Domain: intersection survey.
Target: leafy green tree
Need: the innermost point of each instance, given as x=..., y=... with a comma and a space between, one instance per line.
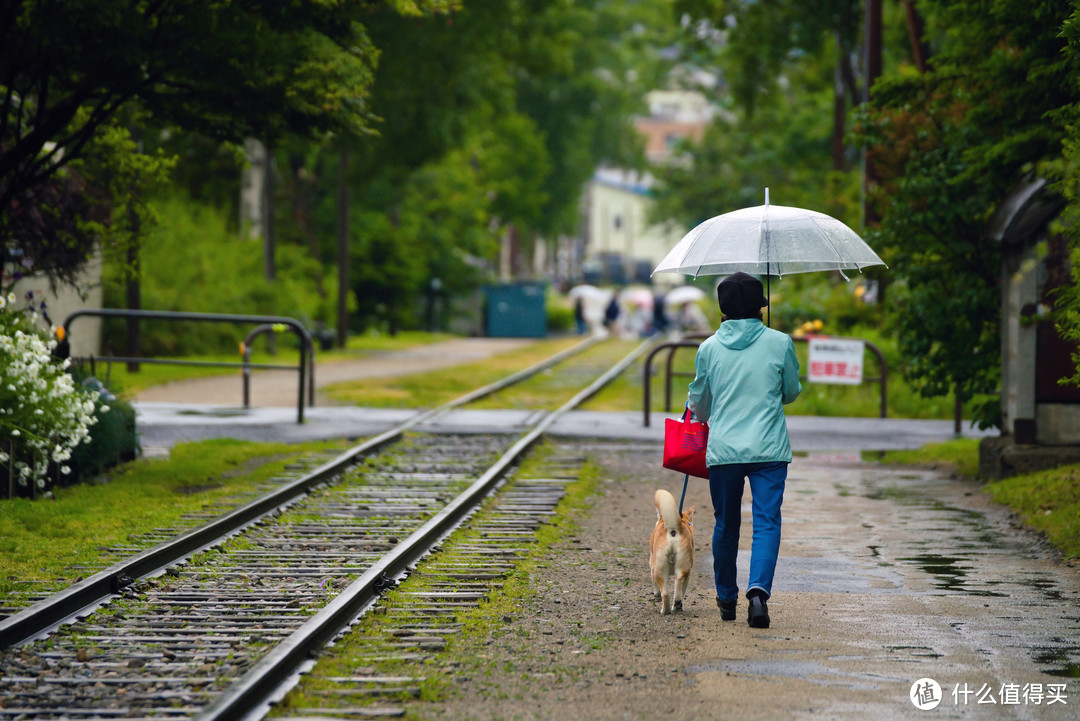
x=101, y=196
x=227, y=69
x=761, y=37
x=949, y=144
x=511, y=104
x=1065, y=172
x=784, y=146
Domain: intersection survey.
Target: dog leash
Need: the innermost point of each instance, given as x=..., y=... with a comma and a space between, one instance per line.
x=685, y=479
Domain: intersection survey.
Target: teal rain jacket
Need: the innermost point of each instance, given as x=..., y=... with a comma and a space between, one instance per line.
x=746, y=373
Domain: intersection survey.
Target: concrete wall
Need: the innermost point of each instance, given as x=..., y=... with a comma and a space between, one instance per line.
x=1019, y=287
x=86, y=338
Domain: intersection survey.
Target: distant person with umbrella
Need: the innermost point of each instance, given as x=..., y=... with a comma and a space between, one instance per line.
x=745, y=374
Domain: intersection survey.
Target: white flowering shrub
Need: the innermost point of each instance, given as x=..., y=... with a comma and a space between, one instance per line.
x=43, y=414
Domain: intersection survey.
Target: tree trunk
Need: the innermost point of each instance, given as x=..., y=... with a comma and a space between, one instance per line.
x=133, y=293
x=839, y=120
x=873, y=70
x=269, y=239
x=343, y=249
x=920, y=51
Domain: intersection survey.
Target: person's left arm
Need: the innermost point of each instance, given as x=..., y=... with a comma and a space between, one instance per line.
x=790, y=387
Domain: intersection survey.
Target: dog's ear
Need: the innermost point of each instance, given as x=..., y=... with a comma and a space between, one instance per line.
x=689, y=513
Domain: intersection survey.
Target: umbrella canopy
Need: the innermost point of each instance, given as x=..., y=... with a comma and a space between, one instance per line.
x=589, y=293
x=769, y=240
x=642, y=297
x=684, y=294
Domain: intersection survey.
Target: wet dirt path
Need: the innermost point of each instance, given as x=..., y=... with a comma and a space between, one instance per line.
x=886, y=576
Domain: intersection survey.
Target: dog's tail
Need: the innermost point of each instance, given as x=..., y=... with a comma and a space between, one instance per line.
x=668, y=510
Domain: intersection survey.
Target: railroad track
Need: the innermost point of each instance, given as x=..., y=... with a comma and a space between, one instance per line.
x=217, y=636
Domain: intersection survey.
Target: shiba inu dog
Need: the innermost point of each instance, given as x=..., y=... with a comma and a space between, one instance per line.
x=671, y=550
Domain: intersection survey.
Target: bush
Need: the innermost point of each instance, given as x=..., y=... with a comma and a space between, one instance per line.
x=560, y=318
x=44, y=415
x=194, y=262
x=113, y=440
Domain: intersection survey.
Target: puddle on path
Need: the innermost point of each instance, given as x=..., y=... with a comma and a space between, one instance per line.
x=917, y=534
x=215, y=412
x=812, y=671
x=949, y=572
x=1062, y=661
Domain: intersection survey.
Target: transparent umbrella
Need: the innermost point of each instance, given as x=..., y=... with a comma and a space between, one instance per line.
x=589, y=293
x=769, y=240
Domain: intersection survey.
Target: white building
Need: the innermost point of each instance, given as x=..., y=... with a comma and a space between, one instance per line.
x=620, y=245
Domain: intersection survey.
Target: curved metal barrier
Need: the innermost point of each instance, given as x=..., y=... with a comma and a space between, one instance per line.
x=307, y=346
x=693, y=340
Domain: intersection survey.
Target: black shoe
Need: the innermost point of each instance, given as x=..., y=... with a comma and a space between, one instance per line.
x=757, y=615
x=727, y=609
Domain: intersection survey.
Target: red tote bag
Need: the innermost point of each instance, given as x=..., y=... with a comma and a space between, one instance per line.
x=684, y=445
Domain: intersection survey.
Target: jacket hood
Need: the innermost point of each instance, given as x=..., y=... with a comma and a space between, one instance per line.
x=738, y=334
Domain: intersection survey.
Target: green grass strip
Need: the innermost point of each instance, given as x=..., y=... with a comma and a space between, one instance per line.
x=426, y=390
x=120, y=380
x=1048, y=501
x=40, y=540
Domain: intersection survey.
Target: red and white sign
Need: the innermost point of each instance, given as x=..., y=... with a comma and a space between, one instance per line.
x=835, y=361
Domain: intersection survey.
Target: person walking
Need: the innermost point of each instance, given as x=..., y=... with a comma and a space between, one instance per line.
x=611, y=314
x=744, y=375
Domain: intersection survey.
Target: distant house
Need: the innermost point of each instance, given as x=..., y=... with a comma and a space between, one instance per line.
x=674, y=116
x=619, y=244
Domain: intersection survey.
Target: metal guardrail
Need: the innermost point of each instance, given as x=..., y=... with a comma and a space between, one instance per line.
x=247, y=365
x=693, y=340
x=307, y=346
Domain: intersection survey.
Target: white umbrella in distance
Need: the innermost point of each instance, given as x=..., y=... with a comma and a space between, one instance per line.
x=684, y=294
x=589, y=293
x=769, y=240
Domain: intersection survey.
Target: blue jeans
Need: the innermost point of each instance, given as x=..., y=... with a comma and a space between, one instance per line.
x=767, y=491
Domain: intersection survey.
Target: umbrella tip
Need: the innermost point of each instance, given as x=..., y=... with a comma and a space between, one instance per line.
x=766, y=196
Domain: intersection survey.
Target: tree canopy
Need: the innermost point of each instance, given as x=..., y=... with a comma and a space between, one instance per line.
x=226, y=69
x=973, y=97
x=948, y=145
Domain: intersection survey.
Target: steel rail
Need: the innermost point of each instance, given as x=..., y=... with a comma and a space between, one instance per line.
x=266, y=677
x=83, y=597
